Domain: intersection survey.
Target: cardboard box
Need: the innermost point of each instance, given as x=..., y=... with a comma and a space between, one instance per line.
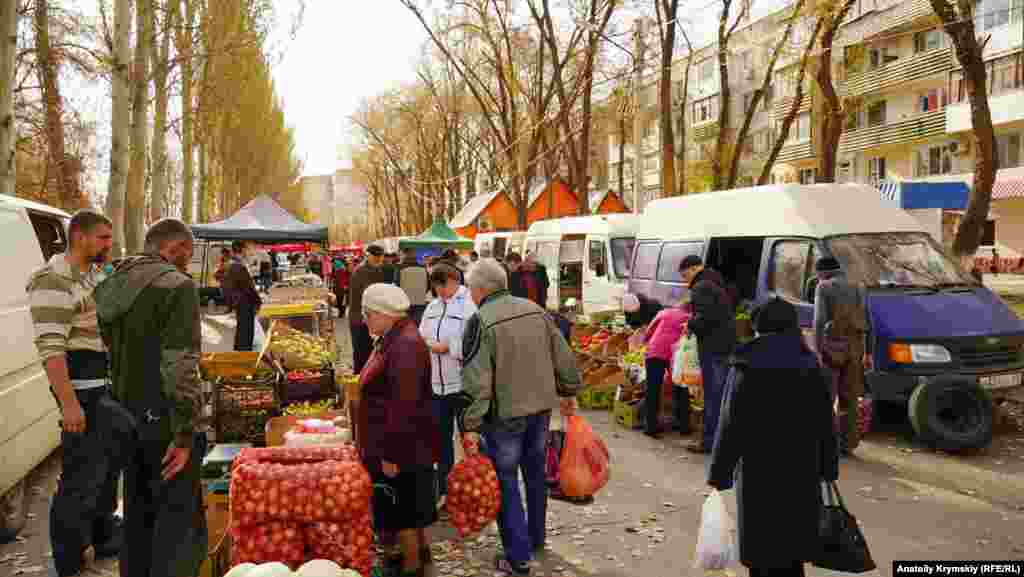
x=218, y=558
x=628, y=414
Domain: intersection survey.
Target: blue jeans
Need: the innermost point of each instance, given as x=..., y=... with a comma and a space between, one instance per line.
x=446, y=409
x=514, y=445
x=714, y=368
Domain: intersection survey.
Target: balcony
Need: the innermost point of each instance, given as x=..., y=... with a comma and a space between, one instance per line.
x=920, y=127
x=893, y=17
x=781, y=108
x=793, y=151
x=704, y=131
x=916, y=67
x=1005, y=108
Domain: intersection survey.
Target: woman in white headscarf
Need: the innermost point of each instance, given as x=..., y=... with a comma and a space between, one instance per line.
x=396, y=430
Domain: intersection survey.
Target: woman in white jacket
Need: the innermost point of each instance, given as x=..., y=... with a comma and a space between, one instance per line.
x=442, y=327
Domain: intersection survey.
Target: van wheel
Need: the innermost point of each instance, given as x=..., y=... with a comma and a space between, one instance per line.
x=13, y=512
x=952, y=415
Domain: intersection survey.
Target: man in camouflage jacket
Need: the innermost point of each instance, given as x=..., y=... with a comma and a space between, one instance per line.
x=149, y=316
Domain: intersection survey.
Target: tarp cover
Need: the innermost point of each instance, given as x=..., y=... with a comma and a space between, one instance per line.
x=261, y=220
x=439, y=234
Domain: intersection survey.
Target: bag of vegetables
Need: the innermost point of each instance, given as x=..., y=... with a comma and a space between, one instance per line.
x=474, y=495
x=584, y=467
x=691, y=375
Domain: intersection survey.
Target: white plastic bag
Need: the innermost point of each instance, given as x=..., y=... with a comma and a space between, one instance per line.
x=258, y=336
x=677, y=362
x=716, y=542
x=691, y=375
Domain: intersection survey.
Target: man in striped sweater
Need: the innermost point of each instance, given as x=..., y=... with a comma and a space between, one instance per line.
x=82, y=521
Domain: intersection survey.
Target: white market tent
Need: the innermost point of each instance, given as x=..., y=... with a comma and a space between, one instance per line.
x=815, y=210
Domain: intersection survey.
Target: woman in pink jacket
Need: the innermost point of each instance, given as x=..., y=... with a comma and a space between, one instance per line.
x=663, y=332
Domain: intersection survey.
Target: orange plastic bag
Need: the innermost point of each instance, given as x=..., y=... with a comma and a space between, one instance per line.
x=584, y=468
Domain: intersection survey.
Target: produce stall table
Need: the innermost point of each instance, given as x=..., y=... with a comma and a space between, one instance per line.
x=240, y=394
x=301, y=341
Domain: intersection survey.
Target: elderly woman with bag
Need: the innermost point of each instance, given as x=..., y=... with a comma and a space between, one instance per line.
x=396, y=429
x=776, y=395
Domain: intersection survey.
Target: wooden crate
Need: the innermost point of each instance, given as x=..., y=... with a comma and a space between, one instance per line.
x=218, y=559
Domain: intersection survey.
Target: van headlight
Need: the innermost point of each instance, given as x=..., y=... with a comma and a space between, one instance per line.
x=905, y=354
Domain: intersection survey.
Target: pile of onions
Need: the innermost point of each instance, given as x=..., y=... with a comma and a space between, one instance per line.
x=474, y=495
x=347, y=544
x=275, y=541
x=279, y=494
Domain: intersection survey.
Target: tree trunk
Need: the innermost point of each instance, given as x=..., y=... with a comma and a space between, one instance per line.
x=970, y=54
x=668, y=142
x=184, y=49
x=794, y=109
x=60, y=173
x=832, y=113
x=121, y=124
x=204, y=174
x=161, y=53
x=724, y=98
x=8, y=48
x=684, y=103
x=622, y=152
x=135, y=195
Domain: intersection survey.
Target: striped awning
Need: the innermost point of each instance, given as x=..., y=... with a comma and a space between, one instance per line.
x=889, y=191
x=1008, y=188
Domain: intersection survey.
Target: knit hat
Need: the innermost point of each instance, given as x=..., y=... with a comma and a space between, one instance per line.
x=826, y=264
x=775, y=316
x=691, y=260
x=386, y=299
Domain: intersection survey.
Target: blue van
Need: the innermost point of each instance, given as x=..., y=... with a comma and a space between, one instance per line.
x=938, y=341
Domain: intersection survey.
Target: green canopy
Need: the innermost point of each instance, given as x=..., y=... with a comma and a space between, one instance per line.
x=439, y=234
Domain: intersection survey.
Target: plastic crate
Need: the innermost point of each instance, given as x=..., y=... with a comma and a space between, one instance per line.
x=597, y=398
x=309, y=389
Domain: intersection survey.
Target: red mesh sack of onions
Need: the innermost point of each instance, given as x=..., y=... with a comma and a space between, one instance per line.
x=306, y=492
x=474, y=496
x=274, y=541
x=347, y=544
x=295, y=455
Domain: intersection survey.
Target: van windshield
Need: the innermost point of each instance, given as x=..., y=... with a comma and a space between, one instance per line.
x=622, y=255
x=903, y=259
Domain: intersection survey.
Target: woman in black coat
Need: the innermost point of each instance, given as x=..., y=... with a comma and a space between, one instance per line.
x=775, y=434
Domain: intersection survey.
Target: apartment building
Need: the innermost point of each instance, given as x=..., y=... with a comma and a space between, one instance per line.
x=895, y=71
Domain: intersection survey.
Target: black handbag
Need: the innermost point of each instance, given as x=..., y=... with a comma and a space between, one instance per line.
x=841, y=543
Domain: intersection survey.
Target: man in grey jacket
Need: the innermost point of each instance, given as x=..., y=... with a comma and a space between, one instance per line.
x=517, y=367
x=840, y=323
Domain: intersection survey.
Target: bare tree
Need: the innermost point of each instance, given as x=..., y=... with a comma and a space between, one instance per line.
x=61, y=177
x=684, y=103
x=725, y=32
x=8, y=49
x=135, y=193
x=121, y=122
x=758, y=95
x=666, y=11
x=794, y=109
x=183, y=41
x=959, y=25
x=832, y=16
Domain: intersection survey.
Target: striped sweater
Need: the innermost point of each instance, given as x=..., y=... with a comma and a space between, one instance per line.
x=62, y=307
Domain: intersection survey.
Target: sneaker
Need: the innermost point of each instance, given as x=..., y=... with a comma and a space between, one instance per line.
x=504, y=565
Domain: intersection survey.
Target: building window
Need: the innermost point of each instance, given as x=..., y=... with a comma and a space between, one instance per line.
x=1005, y=74
x=705, y=110
x=878, y=57
x=930, y=100
x=854, y=118
x=651, y=162
x=769, y=95
x=1008, y=150
x=991, y=14
x=876, y=169
x=801, y=128
x=807, y=176
x=762, y=141
x=929, y=40
x=876, y=113
x=706, y=75
x=935, y=160
x=746, y=64
x=846, y=170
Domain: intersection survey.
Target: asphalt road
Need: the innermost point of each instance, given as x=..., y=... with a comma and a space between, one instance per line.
x=645, y=521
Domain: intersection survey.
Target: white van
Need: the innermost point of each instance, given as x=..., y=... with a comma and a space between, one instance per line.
x=499, y=244
x=587, y=258
x=29, y=432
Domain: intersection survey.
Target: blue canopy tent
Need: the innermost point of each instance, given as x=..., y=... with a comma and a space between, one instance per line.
x=911, y=195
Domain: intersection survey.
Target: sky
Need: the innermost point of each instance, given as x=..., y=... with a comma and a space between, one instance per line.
x=345, y=50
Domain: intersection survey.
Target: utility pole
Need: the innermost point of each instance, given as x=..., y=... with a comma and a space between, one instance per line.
x=639, y=33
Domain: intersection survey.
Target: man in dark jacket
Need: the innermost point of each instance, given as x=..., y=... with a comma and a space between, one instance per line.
x=242, y=297
x=758, y=417
x=148, y=313
x=714, y=324
x=840, y=316
x=370, y=272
